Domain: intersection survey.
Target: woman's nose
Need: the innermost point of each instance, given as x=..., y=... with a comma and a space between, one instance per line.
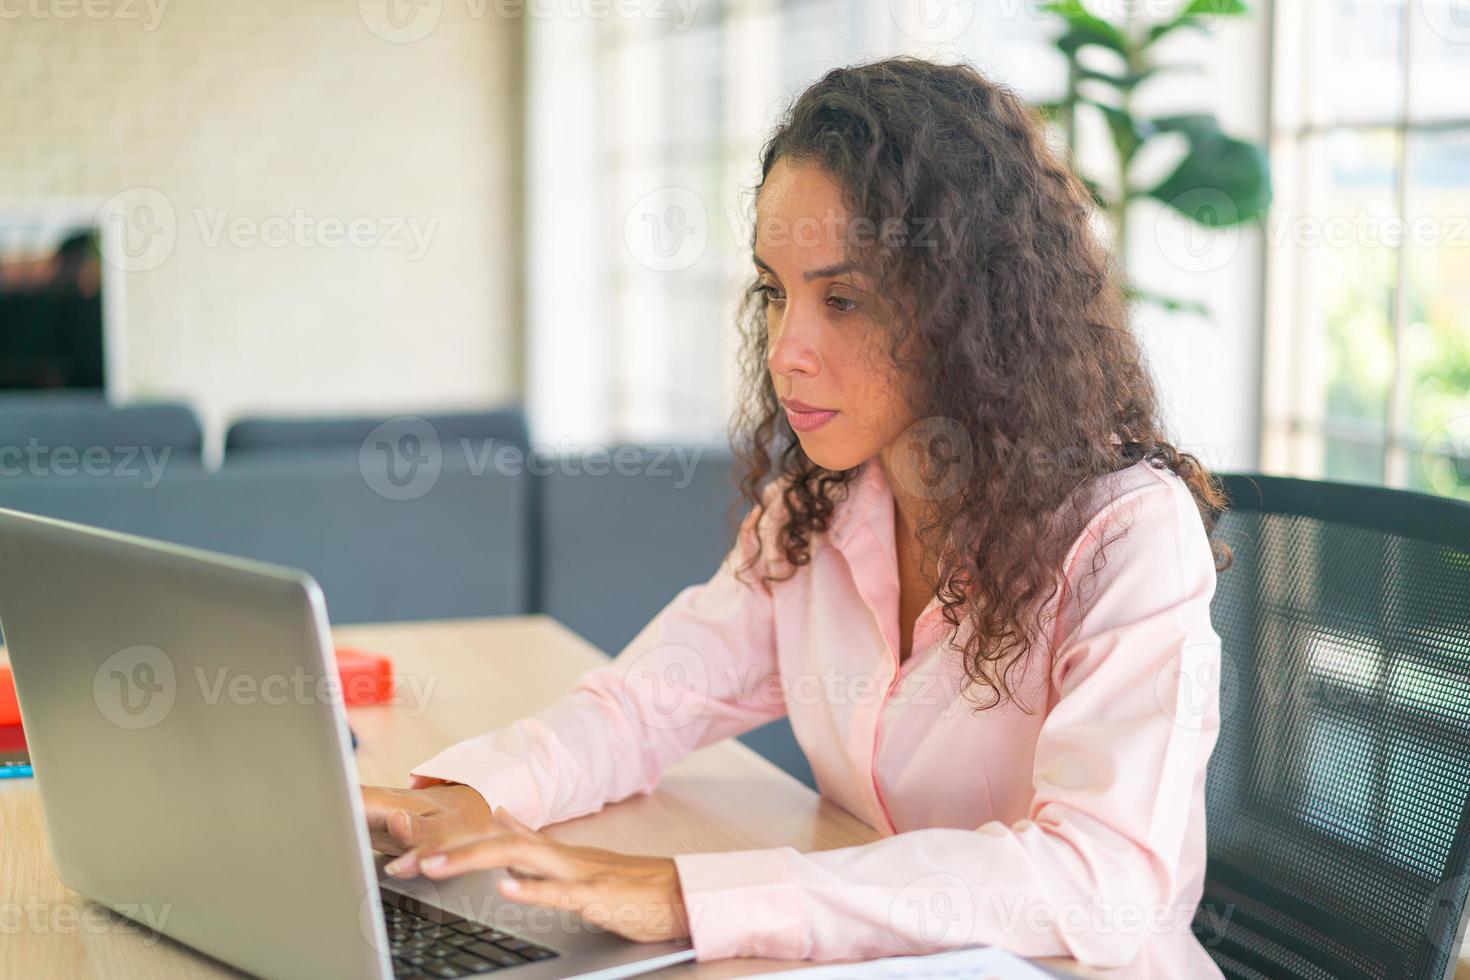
x=793, y=345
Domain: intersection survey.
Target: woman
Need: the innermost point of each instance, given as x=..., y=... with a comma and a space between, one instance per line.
x=975, y=575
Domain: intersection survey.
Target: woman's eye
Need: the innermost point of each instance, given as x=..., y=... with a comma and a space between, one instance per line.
x=842, y=304
x=769, y=293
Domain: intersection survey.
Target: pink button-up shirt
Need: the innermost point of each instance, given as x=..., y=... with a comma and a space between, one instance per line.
x=1076, y=828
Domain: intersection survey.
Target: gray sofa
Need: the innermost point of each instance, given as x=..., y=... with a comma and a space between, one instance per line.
x=397, y=521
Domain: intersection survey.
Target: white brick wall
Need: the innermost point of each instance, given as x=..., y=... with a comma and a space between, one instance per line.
x=254, y=110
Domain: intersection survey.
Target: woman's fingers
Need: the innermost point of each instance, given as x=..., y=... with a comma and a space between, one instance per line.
x=378, y=804
x=526, y=855
x=572, y=895
x=422, y=836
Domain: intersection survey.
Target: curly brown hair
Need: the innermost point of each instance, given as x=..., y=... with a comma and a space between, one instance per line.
x=997, y=295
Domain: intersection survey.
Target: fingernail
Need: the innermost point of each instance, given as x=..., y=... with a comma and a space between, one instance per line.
x=432, y=862
x=510, y=884
x=393, y=867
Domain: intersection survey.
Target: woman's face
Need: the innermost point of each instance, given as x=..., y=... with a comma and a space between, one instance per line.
x=826, y=351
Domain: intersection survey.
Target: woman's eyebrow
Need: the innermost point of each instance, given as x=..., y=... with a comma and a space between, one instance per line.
x=826, y=272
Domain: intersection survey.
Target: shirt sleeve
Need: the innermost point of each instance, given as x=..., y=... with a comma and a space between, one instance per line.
x=702, y=670
x=1118, y=762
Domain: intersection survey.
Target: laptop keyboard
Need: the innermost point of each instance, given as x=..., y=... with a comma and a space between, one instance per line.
x=430, y=942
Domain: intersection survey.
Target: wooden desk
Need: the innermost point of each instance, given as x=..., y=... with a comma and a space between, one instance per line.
x=456, y=679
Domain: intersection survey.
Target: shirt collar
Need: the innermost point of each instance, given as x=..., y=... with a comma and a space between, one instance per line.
x=869, y=503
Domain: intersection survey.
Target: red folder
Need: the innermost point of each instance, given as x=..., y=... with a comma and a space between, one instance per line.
x=367, y=678
x=9, y=710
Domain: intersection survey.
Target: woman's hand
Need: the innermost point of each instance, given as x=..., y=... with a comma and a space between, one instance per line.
x=634, y=896
x=400, y=820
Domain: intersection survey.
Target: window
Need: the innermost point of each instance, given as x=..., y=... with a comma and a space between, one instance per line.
x=1368, y=297
x=643, y=141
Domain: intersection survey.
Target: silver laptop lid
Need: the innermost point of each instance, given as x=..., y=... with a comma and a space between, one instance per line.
x=162, y=690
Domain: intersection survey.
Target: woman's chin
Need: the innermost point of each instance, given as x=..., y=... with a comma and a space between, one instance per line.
x=830, y=454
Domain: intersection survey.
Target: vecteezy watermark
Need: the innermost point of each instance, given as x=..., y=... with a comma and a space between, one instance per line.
x=405, y=233
x=1450, y=19
x=138, y=687
x=933, y=911
x=1211, y=244
x=1445, y=457
x=406, y=21
x=141, y=227
x=939, y=460
x=1198, y=689
x=38, y=459
x=403, y=459
x=939, y=22
x=148, y=12
x=941, y=910
x=1442, y=910
x=667, y=230
x=224, y=684
x=935, y=21
x=39, y=918
x=672, y=686
x=135, y=687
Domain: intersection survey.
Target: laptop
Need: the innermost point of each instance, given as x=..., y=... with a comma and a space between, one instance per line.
x=196, y=773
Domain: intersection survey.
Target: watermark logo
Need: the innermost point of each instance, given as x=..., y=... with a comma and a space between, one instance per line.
x=939, y=461
x=401, y=21
x=1442, y=908
x=1199, y=690
x=1445, y=458
x=135, y=688
x=402, y=458
x=377, y=921
x=667, y=230
x=38, y=918
x=1450, y=19
x=1210, y=241
x=148, y=12
x=139, y=229
x=933, y=911
x=404, y=233
x=932, y=21
x=668, y=686
x=40, y=459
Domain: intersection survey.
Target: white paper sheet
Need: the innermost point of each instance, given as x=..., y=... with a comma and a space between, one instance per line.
x=973, y=963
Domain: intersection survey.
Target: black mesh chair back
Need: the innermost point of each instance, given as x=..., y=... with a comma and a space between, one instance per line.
x=1339, y=844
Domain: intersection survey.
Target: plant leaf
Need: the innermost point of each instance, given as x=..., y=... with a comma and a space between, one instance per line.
x=1128, y=131
x=1220, y=182
x=1195, y=125
x=1083, y=28
x=1194, y=14
x=1095, y=189
x=1171, y=303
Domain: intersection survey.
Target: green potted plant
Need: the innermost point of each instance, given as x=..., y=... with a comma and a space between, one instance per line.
x=1221, y=181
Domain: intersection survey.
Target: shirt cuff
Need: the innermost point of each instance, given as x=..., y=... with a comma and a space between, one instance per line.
x=743, y=903
x=502, y=779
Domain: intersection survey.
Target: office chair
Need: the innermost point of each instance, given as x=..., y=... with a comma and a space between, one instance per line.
x=1338, y=796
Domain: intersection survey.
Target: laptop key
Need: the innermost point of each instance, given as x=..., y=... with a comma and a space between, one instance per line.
x=429, y=942
x=473, y=963
x=494, y=954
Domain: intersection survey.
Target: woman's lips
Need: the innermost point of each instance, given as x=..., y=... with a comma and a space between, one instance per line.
x=804, y=417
